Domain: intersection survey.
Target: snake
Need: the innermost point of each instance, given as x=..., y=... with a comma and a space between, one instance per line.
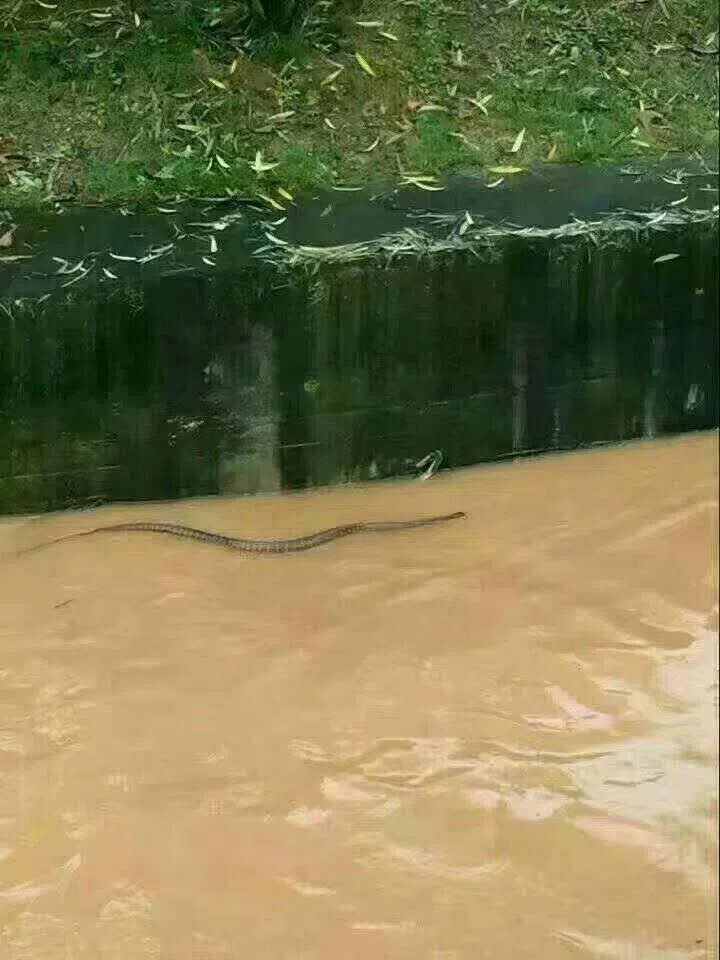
x=244, y=545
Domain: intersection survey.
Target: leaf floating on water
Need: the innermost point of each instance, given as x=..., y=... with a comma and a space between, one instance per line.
x=666, y=257
x=518, y=142
x=364, y=65
x=285, y=194
x=217, y=83
x=506, y=170
x=213, y=245
x=389, y=36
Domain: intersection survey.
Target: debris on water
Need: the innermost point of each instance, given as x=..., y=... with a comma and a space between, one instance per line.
x=429, y=464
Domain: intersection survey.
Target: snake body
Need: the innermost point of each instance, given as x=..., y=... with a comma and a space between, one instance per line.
x=294, y=545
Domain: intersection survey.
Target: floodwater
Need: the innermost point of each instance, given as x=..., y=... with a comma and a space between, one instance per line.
x=493, y=738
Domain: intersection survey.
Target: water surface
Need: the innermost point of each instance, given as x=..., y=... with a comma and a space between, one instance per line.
x=495, y=738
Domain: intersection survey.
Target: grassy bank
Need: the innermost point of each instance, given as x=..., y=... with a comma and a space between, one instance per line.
x=152, y=100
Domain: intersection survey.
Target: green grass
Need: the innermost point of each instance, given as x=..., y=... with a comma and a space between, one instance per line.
x=98, y=103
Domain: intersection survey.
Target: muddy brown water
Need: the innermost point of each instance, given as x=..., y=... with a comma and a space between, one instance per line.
x=492, y=738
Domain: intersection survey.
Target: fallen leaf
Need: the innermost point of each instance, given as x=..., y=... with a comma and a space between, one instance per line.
x=364, y=65
x=331, y=76
x=518, y=142
x=271, y=202
x=259, y=165
x=482, y=103
x=422, y=183
x=466, y=224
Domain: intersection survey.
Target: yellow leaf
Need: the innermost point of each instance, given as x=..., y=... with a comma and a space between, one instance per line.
x=269, y=200
x=504, y=170
x=331, y=76
x=285, y=193
x=422, y=183
x=217, y=83
x=481, y=104
x=552, y=152
x=364, y=65
x=518, y=142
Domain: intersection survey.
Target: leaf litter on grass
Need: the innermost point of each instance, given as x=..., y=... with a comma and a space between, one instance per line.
x=112, y=103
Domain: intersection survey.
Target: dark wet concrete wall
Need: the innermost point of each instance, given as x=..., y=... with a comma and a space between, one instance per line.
x=213, y=375
x=548, y=347
x=238, y=383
